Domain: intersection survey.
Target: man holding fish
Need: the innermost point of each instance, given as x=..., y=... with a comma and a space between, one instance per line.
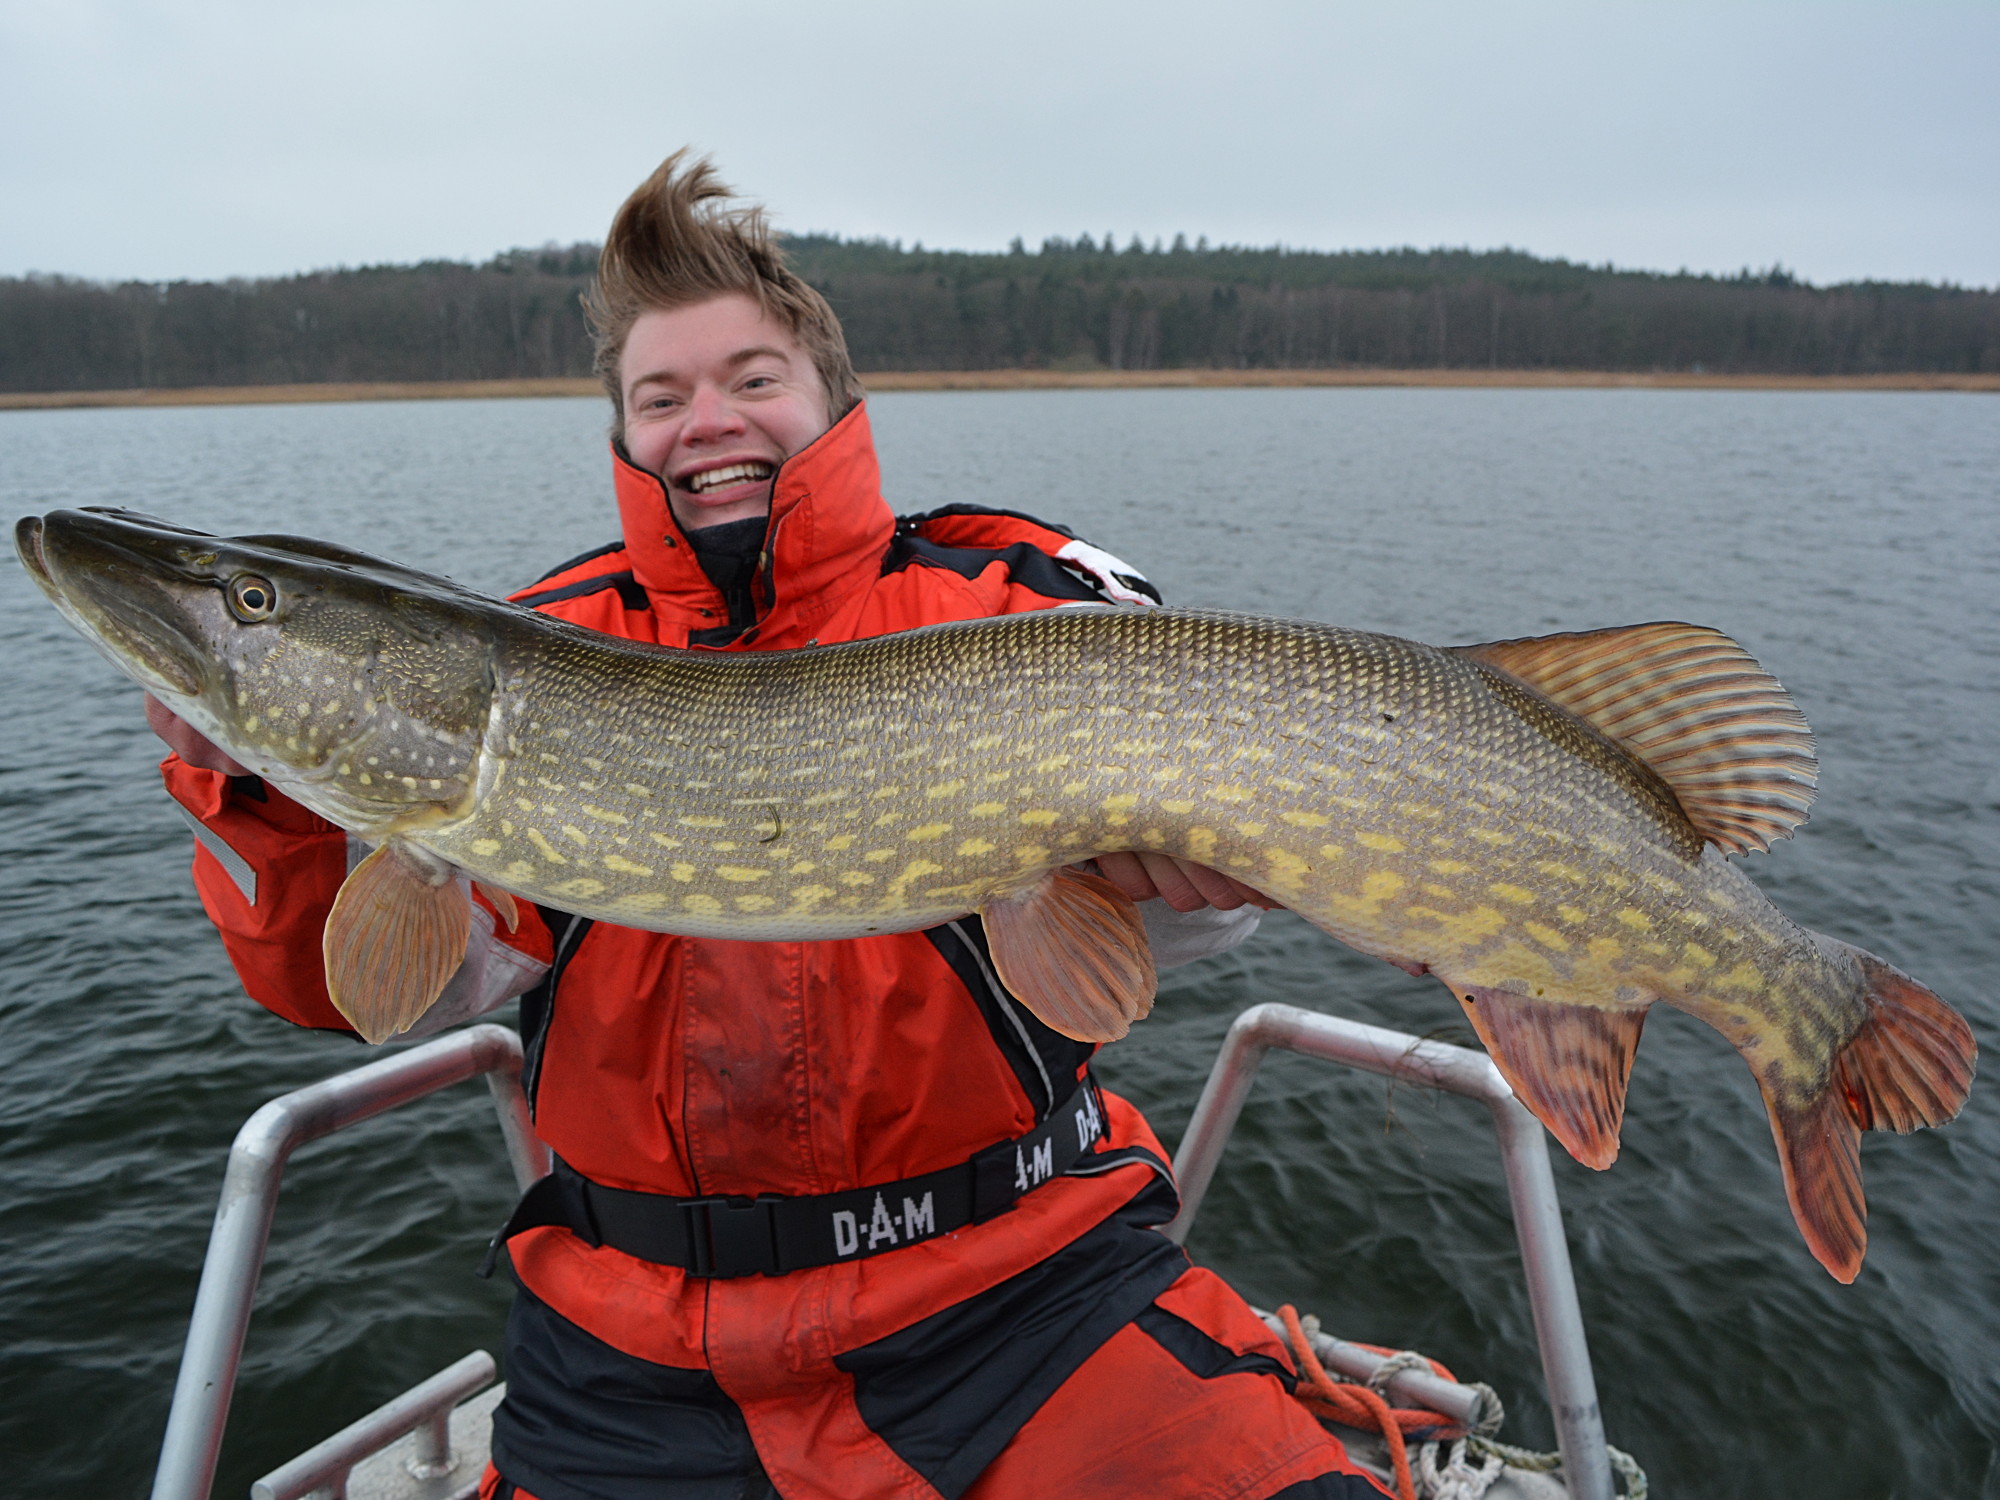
x=831, y=1218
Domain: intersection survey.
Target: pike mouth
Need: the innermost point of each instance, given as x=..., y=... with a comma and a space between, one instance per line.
x=708, y=480
x=110, y=596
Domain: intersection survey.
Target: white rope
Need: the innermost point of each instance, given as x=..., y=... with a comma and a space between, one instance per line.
x=1456, y=1480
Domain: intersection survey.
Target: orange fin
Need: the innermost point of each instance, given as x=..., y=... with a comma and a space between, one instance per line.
x=501, y=902
x=1820, y=1148
x=1909, y=1065
x=1691, y=704
x=1073, y=949
x=1567, y=1063
x=395, y=936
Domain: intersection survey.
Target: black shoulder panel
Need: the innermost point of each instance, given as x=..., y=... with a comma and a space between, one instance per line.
x=583, y=557
x=913, y=523
x=631, y=592
x=1026, y=564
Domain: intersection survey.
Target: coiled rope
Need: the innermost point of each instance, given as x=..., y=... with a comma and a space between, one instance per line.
x=1441, y=1470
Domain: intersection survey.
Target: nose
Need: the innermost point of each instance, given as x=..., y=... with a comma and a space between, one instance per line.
x=710, y=415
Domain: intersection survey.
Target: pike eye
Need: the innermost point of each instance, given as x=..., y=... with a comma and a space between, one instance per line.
x=252, y=598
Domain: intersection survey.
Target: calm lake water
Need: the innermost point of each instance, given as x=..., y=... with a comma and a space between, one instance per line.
x=1852, y=541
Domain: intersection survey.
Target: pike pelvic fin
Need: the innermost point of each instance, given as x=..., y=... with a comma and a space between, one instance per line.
x=395, y=936
x=1073, y=949
x=1691, y=704
x=1910, y=1065
x=1568, y=1063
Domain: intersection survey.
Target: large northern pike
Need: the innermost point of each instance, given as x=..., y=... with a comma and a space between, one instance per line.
x=1540, y=823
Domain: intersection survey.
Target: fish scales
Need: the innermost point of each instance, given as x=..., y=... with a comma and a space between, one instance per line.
x=1541, y=824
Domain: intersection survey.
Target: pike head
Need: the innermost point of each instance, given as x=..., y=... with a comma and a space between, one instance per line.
x=360, y=688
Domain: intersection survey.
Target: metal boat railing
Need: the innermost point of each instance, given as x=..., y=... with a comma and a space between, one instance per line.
x=257, y=1160
x=1531, y=1187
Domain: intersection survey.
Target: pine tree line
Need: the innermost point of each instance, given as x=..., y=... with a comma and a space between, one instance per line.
x=1081, y=304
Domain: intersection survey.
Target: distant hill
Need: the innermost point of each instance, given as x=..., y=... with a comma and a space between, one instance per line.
x=1073, y=305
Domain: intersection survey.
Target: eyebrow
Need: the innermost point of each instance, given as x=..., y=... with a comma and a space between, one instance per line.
x=740, y=357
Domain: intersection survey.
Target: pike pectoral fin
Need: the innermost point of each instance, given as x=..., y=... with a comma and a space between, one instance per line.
x=395, y=936
x=1567, y=1063
x=501, y=902
x=1073, y=949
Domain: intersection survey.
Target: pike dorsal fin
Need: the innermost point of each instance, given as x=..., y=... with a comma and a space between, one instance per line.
x=1691, y=704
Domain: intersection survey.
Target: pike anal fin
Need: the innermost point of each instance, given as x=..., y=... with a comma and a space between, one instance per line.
x=1073, y=949
x=1910, y=1065
x=1568, y=1063
x=395, y=936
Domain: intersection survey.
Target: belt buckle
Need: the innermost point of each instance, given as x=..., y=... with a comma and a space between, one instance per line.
x=730, y=1237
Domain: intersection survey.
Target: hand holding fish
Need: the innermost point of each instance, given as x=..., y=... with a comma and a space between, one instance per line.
x=1542, y=824
x=189, y=743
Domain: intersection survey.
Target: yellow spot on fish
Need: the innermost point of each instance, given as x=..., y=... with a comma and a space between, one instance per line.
x=582, y=886
x=806, y=897
x=1572, y=913
x=524, y=804
x=803, y=867
x=945, y=788
x=1040, y=817
x=520, y=869
x=928, y=831
x=1548, y=937
x=1631, y=916
x=1285, y=865
x=1380, y=885
x=703, y=820
x=840, y=841
x=1122, y=802
x=1233, y=792
x=1697, y=955
x=1305, y=819
x=683, y=872
x=663, y=841
x=1606, y=949
x=604, y=814
x=976, y=846
x=755, y=903
x=549, y=851
x=1386, y=843
x=640, y=901
x=576, y=835
x=366, y=779
x=876, y=856
x=1562, y=871
x=486, y=846
x=702, y=904
x=1053, y=763
x=1179, y=807
x=625, y=866
x=741, y=874
x=987, y=809
x=1201, y=845
x=1451, y=867
x=857, y=877
x=1491, y=836
x=1519, y=895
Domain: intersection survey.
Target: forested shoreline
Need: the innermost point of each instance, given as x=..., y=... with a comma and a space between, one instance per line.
x=1068, y=305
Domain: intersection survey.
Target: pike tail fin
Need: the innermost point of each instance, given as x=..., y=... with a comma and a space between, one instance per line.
x=1568, y=1063
x=1910, y=1065
x=1073, y=949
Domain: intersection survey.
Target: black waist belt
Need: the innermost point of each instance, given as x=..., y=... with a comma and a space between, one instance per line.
x=769, y=1235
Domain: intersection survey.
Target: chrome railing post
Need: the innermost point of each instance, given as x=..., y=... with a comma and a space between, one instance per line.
x=1531, y=1188
x=235, y=1259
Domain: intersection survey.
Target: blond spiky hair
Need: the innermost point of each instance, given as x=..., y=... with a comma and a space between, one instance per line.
x=676, y=241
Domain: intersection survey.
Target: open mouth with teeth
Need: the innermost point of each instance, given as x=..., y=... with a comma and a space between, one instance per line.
x=710, y=480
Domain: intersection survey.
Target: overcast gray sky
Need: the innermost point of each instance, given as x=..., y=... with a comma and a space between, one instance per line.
x=207, y=138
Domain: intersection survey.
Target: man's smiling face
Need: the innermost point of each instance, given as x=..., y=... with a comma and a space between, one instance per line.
x=716, y=396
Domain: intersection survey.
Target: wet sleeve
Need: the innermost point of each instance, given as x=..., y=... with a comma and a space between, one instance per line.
x=267, y=871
